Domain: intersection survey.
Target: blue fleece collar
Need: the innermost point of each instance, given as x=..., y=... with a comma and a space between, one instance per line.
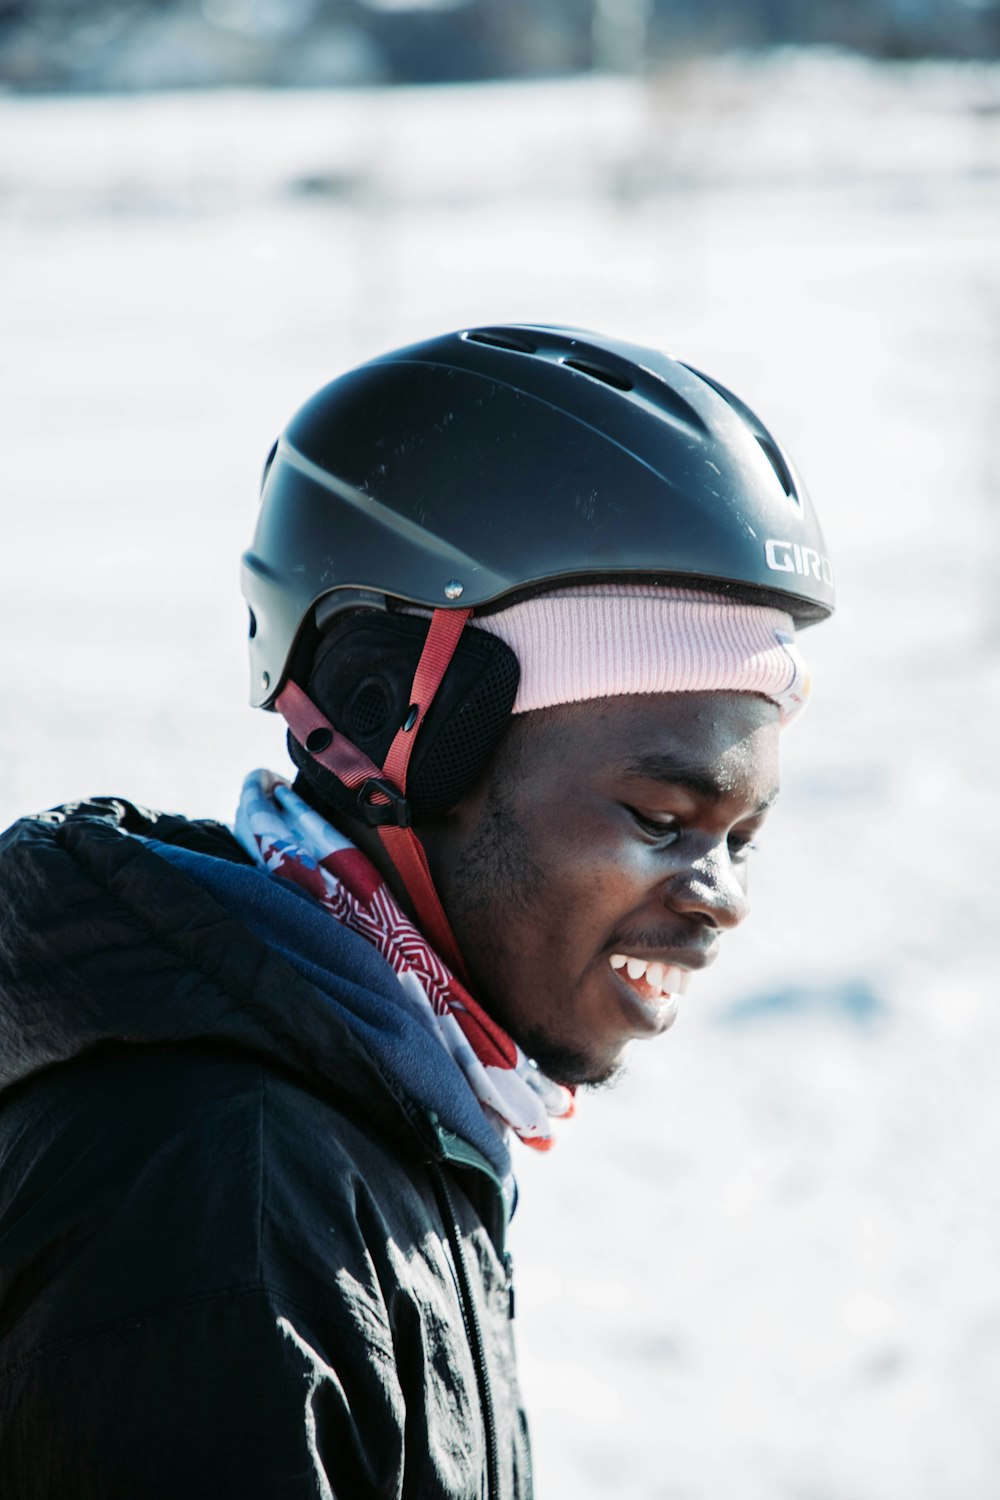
x=352, y=976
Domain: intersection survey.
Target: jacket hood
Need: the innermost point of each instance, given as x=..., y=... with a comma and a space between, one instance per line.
x=120, y=925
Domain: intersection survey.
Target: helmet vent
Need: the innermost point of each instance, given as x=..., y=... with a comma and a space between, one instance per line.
x=599, y=372
x=778, y=465
x=767, y=444
x=267, y=464
x=501, y=341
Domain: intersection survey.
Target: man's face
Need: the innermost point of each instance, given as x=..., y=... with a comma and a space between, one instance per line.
x=605, y=830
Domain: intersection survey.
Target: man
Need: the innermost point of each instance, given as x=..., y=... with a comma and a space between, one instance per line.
x=527, y=600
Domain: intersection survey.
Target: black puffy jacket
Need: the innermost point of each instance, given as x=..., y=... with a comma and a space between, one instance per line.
x=236, y=1259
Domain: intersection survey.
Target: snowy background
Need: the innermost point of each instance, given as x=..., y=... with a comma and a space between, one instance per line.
x=767, y=1264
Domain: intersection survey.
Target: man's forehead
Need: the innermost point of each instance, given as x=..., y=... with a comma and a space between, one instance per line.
x=713, y=743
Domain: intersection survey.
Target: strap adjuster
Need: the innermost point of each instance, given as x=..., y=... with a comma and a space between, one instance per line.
x=395, y=810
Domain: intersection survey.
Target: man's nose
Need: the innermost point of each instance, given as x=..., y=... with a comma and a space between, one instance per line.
x=710, y=888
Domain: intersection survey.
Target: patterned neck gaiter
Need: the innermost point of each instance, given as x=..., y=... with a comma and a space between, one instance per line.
x=288, y=839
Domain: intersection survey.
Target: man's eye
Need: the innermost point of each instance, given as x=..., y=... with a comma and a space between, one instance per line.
x=664, y=827
x=741, y=846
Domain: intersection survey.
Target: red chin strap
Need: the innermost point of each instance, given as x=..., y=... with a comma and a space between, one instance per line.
x=381, y=791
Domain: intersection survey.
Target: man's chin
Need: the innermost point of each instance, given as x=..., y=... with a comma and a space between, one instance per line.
x=569, y=1065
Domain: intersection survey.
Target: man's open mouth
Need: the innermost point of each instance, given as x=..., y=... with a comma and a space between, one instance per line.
x=651, y=979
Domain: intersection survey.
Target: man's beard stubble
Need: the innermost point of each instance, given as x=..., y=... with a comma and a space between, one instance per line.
x=498, y=877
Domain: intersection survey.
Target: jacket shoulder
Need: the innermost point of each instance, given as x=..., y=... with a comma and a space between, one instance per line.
x=61, y=870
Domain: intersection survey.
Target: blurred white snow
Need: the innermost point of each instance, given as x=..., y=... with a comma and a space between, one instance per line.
x=765, y=1265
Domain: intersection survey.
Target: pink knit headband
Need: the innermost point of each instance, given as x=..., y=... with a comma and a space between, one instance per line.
x=603, y=640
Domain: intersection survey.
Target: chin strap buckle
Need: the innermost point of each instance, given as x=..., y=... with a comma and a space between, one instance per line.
x=379, y=804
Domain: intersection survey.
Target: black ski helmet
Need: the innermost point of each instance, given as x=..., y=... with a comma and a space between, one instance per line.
x=463, y=474
x=496, y=462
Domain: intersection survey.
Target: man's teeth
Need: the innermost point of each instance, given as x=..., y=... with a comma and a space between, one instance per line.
x=669, y=979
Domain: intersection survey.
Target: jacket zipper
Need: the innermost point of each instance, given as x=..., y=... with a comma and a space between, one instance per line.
x=473, y=1331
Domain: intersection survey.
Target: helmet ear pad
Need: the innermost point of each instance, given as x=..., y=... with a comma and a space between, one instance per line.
x=361, y=679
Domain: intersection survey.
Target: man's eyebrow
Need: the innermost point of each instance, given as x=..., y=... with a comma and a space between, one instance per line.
x=655, y=766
